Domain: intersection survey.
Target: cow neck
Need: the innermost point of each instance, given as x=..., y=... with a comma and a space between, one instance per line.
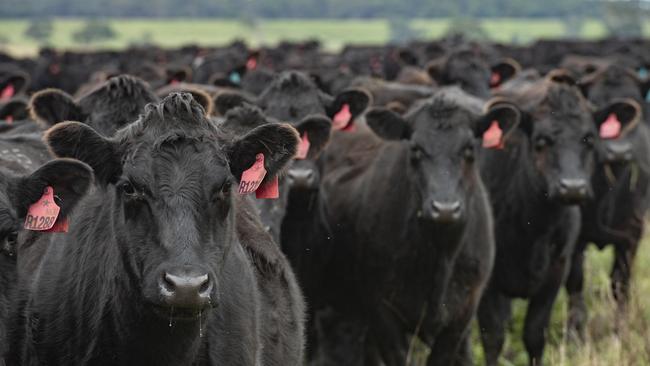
x=518, y=191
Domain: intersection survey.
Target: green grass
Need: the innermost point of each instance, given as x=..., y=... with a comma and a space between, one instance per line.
x=606, y=343
x=333, y=33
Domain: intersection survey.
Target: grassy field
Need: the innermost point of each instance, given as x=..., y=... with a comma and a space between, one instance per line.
x=333, y=33
x=606, y=344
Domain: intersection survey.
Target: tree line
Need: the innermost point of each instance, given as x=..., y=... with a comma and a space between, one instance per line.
x=247, y=9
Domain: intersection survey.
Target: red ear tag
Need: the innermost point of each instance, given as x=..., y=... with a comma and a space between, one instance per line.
x=611, y=128
x=268, y=190
x=342, y=118
x=303, y=148
x=252, y=177
x=492, y=136
x=251, y=64
x=9, y=119
x=42, y=215
x=173, y=82
x=7, y=93
x=495, y=79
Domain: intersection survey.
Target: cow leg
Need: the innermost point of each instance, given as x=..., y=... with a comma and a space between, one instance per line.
x=450, y=346
x=388, y=339
x=622, y=271
x=574, y=286
x=493, y=314
x=539, y=311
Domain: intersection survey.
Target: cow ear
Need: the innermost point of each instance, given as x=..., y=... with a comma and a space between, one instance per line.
x=51, y=106
x=434, y=69
x=501, y=112
x=178, y=74
x=70, y=180
x=628, y=112
x=317, y=129
x=277, y=141
x=16, y=109
x=408, y=57
x=226, y=101
x=79, y=141
x=356, y=100
x=504, y=71
x=387, y=124
x=561, y=76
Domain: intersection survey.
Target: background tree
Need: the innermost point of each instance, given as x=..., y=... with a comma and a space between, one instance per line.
x=94, y=31
x=39, y=30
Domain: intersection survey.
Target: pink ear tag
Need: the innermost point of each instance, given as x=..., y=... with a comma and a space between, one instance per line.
x=173, y=81
x=9, y=119
x=492, y=136
x=7, y=93
x=42, y=215
x=342, y=118
x=252, y=177
x=268, y=189
x=303, y=147
x=495, y=79
x=251, y=64
x=611, y=128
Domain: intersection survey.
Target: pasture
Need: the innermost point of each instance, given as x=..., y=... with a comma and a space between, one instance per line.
x=333, y=33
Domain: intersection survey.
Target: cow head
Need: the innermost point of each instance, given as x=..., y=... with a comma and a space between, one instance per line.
x=107, y=108
x=69, y=180
x=559, y=125
x=442, y=136
x=172, y=179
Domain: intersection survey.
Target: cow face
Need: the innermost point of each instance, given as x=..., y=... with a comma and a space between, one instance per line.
x=466, y=68
x=441, y=138
x=562, y=137
x=172, y=179
x=611, y=83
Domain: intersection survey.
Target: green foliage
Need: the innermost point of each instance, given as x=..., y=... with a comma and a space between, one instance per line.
x=401, y=30
x=296, y=8
x=94, y=31
x=623, y=19
x=39, y=30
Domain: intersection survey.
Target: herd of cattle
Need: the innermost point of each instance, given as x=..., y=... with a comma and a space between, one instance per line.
x=286, y=205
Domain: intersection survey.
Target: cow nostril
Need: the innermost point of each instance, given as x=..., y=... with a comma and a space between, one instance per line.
x=168, y=282
x=205, y=285
x=443, y=211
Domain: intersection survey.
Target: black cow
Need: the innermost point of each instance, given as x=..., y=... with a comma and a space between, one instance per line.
x=470, y=68
x=153, y=270
x=411, y=228
x=620, y=182
x=534, y=184
x=107, y=108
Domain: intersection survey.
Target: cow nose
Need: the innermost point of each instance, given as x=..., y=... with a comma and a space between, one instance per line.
x=446, y=211
x=618, y=152
x=302, y=178
x=573, y=190
x=183, y=290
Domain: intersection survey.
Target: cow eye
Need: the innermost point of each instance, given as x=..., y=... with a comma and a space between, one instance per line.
x=128, y=189
x=589, y=140
x=468, y=153
x=541, y=142
x=9, y=245
x=416, y=153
